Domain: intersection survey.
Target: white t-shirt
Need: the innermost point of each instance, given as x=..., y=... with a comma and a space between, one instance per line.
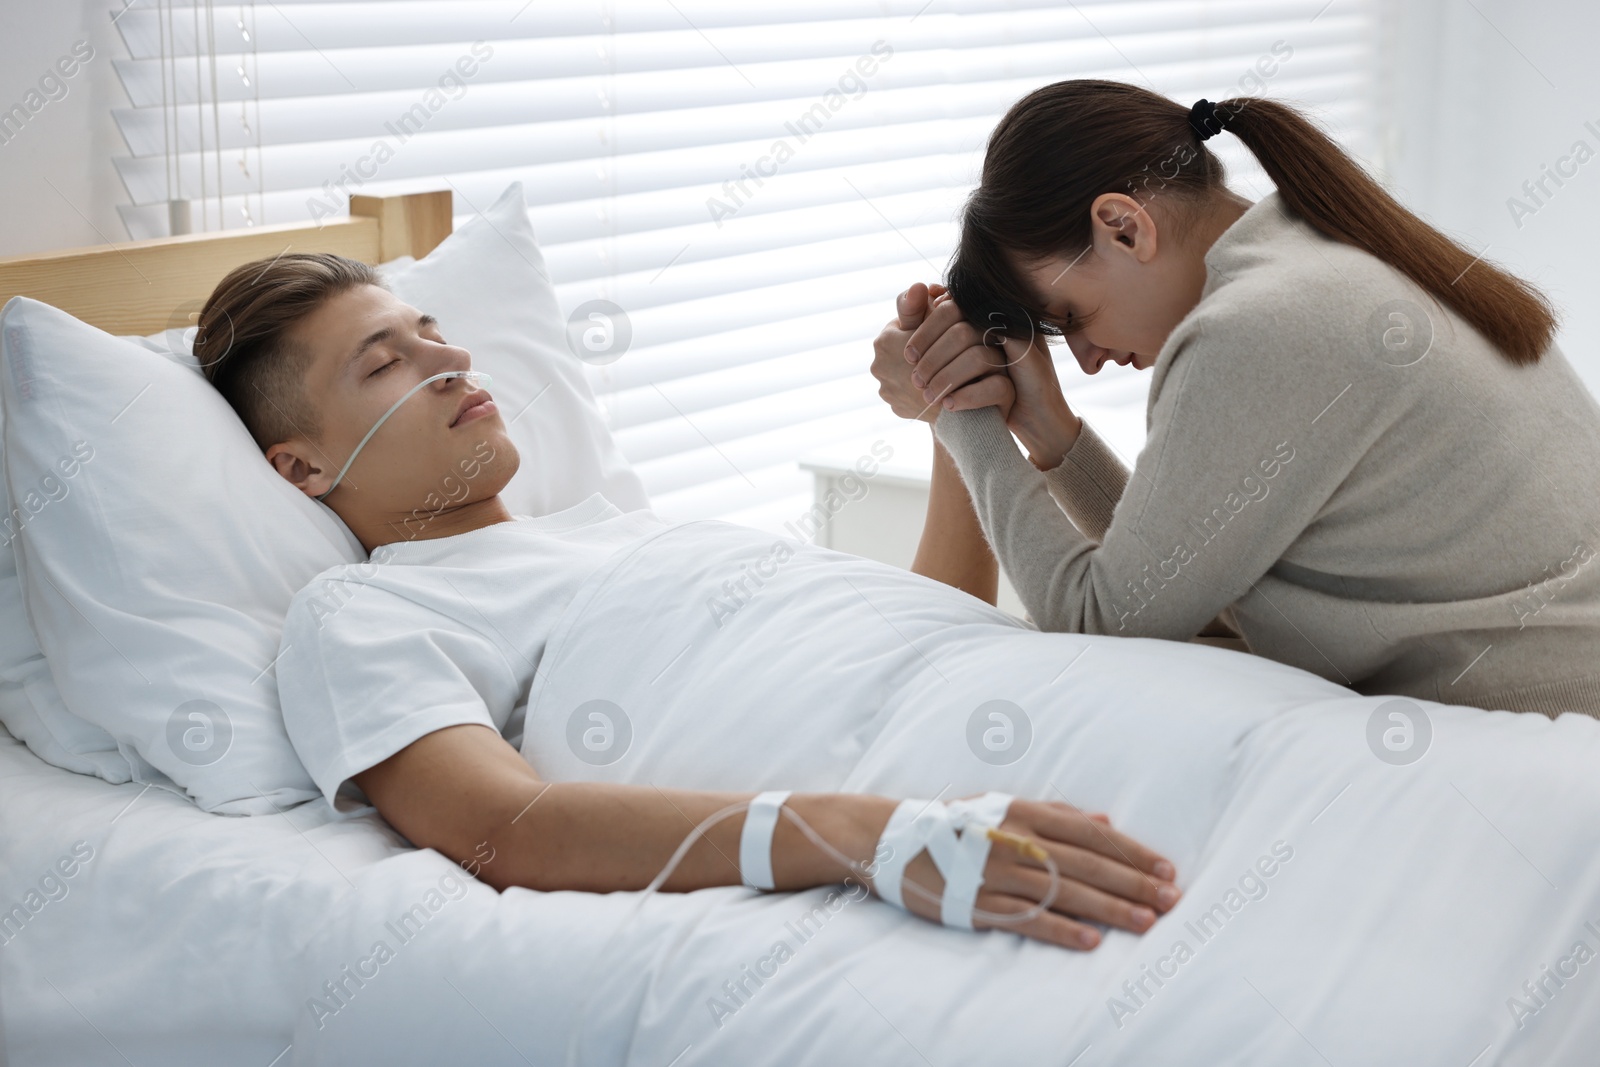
x=433, y=633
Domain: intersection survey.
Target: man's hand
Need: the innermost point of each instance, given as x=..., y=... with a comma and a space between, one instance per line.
x=1106, y=877
x=955, y=380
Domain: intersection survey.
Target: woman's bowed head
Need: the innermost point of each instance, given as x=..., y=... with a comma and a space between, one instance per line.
x=1096, y=206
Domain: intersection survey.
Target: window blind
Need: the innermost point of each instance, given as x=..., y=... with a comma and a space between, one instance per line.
x=750, y=183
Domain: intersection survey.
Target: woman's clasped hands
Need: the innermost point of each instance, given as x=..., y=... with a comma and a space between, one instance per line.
x=930, y=358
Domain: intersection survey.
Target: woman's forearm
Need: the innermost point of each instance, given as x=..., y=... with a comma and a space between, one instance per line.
x=953, y=549
x=1051, y=439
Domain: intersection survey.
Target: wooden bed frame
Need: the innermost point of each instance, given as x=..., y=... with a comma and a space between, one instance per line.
x=142, y=287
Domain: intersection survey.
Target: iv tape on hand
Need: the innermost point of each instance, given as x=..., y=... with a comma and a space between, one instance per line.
x=955, y=835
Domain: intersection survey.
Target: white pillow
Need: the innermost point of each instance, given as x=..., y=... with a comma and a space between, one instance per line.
x=487, y=285
x=172, y=596
x=30, y=705
x=157, y=586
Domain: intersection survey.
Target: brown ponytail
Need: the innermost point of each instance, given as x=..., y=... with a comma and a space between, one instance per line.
x=1062, y=145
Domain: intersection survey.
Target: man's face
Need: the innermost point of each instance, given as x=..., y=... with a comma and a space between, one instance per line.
x=423, y=458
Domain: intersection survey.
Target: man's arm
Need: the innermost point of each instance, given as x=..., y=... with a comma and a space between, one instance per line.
x=462, y=787
x=953, y=549
x=464, y=791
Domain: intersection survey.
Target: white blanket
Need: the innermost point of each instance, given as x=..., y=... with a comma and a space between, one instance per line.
x=1445, y=910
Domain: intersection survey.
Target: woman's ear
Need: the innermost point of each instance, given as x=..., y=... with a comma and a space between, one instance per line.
x=1122, y=225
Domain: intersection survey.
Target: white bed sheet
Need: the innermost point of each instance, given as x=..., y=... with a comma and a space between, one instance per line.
x=1417, y=901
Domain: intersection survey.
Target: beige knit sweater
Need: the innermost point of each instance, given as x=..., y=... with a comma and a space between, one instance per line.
x=1344, y=470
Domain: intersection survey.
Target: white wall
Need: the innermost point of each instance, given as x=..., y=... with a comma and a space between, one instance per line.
x=69, y=144
x=1483, y=95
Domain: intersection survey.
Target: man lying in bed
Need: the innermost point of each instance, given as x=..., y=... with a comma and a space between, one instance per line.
x=312, y=352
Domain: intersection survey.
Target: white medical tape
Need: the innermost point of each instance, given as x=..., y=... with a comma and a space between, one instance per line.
x=755, y=840
x=904, y=835
x=953, y=834
x=970, y=818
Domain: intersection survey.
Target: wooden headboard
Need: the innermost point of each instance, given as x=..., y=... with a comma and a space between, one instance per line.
x=141, y=287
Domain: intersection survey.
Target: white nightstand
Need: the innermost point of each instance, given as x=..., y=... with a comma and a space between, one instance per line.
x=881, y=517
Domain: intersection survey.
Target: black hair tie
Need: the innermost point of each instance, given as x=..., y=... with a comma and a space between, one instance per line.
x=1205, y=121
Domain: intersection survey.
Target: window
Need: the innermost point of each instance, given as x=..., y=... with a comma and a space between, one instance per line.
x=751, y=182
